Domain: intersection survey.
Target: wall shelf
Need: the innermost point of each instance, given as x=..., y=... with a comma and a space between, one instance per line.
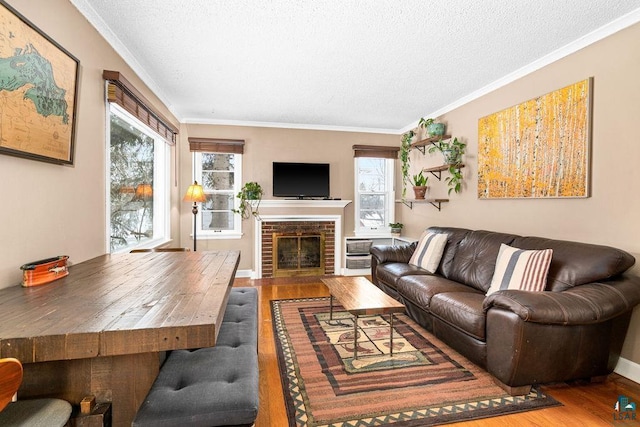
x=437, y=170
x=420, y=145
x=436, y=203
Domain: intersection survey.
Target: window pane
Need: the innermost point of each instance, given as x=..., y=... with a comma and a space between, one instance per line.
x=214, y=220
x=218, y=202
x=217, y=161
x=372, y=210
x=371, y=175
x=131, y=184
x=218, y=180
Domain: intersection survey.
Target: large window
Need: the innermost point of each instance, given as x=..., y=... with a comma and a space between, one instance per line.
x=374, y=194
x=138, y=184
x=220, y=175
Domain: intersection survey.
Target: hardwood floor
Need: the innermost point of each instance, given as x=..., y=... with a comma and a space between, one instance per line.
x=584, y=404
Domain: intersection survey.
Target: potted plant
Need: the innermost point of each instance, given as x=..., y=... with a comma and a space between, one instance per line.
x=396, y=227
x=419, y=182
x=452, y=151
x=433, y=128
x=250, y=196
x=405, y=148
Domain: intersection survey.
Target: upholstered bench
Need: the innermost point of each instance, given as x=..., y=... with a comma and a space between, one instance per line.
x=215, y=386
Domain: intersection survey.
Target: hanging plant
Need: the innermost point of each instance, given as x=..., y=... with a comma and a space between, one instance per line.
x=405, y=148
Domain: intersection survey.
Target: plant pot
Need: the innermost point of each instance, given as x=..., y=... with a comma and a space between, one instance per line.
x=435, y=129
x=396, y=231
x=451, y=156
x=420, y=191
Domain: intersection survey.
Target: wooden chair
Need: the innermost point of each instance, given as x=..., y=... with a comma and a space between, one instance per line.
x=28, y=412
x=133, y=251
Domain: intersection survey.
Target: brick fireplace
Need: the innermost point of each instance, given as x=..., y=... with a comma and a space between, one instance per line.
x=302, y=247
x=304, y=231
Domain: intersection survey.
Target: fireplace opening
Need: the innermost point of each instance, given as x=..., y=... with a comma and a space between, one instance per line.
x=298, y=254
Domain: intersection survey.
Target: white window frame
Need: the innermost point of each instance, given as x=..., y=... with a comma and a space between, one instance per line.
x=236, y=233
x=390, y=199
x=162, y=154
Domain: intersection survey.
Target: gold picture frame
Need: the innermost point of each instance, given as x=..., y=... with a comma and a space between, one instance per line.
x=38, y=92
x=539, y=148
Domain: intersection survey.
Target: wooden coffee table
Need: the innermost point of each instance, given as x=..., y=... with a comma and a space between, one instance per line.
x=360, y=297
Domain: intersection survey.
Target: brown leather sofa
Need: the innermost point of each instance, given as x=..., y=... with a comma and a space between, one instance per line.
x=573, y=330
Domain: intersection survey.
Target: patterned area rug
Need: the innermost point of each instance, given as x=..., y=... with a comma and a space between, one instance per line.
x=424, y=383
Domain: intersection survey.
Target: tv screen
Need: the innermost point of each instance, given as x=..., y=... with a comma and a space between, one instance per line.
x=300, y=180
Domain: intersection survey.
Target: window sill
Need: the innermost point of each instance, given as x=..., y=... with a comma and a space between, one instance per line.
x=218, y=236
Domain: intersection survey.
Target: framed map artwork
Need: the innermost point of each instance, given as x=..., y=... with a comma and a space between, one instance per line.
x=539, y=148
x=38, y=92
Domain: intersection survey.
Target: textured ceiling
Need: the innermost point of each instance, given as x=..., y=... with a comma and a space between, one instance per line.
x=375, y=65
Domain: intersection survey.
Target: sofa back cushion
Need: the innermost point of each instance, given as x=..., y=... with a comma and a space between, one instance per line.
x=454, y=237
x=475, y=259
x=576, y=263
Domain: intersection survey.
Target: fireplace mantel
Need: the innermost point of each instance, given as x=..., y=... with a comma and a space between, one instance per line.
x=305, y=203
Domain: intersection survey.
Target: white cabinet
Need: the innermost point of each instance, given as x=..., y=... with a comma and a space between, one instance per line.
x=357, y=257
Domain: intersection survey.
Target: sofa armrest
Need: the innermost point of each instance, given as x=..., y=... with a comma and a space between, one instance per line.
x=581, y=305
x=389, y=253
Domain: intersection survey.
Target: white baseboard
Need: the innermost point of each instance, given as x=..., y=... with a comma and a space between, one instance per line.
x=628, y=369
x=244, y=273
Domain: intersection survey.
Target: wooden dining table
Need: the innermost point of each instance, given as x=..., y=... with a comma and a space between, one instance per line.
x=103, y=329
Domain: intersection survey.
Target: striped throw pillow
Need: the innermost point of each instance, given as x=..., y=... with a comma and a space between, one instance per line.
x=429, y=251
x=521, y=269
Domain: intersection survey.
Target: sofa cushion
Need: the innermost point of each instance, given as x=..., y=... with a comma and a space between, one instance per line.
x=429, y=251
x=475, y=259
x=521, y=269
x=391, y=272
x=575, y=263
x=462, y=310
x=420, y=289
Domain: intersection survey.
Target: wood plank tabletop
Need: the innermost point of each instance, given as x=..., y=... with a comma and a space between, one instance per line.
x=119, y=304
x=361, y=297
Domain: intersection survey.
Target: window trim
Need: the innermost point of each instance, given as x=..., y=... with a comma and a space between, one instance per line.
x=390, y=203
x=236, y=233
x=161, y=174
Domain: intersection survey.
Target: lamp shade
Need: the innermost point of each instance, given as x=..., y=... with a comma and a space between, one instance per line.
x=195, y=193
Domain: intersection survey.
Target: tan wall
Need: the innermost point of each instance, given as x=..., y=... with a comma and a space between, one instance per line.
x=48, y=209
x=263, y=146
x=610, y=215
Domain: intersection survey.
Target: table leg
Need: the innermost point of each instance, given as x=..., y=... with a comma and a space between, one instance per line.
x=355, y=336
x=391, y=334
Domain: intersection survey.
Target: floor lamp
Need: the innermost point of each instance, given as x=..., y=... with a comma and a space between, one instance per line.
x=195, y=194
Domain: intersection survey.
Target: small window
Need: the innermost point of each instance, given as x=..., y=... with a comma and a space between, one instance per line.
x=220, y=175
x=138, y=184
x=375, y=195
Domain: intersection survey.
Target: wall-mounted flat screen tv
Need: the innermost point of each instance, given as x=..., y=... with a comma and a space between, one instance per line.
x=301, y=180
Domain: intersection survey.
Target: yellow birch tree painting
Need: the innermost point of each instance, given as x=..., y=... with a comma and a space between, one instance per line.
x=539, y=148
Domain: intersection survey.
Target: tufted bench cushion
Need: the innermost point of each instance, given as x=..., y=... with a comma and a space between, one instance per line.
x=215, y=386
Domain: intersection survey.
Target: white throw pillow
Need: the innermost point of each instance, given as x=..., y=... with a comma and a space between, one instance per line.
x=521, y=269
x=429, y=251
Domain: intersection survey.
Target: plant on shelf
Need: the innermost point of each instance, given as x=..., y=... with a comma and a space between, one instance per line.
x=455, y=180
x=405, y=148
x=452, y=151
x=250, y=196
x=396, y=227
x=433, y=128
x=419, y=182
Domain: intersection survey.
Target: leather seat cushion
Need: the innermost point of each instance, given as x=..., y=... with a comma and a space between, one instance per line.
x=391, y=272
x=462, y=310
x=420, y=289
